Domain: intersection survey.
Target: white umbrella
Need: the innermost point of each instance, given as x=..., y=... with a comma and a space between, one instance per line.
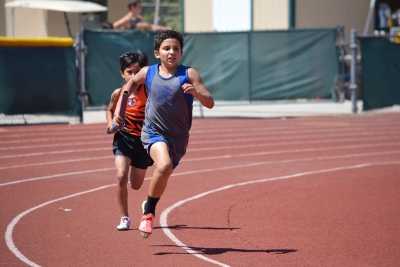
x=61, y=5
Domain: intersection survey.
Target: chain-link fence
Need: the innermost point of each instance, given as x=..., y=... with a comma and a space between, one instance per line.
x=169, y=11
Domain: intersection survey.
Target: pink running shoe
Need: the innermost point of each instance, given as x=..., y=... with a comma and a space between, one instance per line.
x=146, y=224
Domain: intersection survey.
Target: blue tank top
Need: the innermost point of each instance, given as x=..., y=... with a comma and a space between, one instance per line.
x=168, y=108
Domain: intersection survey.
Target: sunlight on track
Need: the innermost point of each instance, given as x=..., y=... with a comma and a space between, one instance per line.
x=164, y=214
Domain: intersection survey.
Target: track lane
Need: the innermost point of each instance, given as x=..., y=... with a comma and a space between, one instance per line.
x=226, y=174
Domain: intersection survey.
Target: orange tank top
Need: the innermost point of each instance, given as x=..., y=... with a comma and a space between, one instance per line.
x=134, y=114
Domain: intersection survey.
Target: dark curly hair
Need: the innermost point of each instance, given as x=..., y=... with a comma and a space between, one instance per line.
x=168, y=34
x=132, y=57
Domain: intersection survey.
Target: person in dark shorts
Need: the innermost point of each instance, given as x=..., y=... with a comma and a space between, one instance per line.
x=131, y=159
x=168, y=119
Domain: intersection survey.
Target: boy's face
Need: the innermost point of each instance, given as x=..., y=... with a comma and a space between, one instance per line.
x=170, y=52
x=130, y=71
x=135, y=10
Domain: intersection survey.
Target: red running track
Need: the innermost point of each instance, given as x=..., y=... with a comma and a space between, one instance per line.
x=309, y=191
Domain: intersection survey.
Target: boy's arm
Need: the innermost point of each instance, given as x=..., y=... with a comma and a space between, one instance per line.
x=111, y=109
x=131, y=86
x=198, y=89
x=122, y=23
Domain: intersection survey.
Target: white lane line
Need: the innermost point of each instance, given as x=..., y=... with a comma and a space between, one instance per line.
x=233, y=138
x=8, y=235
x=19, y=255
x=48, y=139
x=57, y=145
x=55, y=152
x=55, y=176
x=164, y=214
x=47, y=133
x=221, y=127
x=274, y=144
x=298, y=127
x=379, y=153
x=267, y=129
x=184, y=160
x=384, y=134
x=211, y=148
x=281, y=135
x=55, y=162
x=224, y=168
x=310, y=149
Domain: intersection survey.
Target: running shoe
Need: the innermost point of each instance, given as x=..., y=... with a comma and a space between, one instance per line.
x=124, y=224
x=146, y=224
x=143, y=206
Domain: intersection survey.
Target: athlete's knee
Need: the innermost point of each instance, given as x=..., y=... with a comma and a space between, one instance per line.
x=122, y=179
x=136, y=186
x=164, y=167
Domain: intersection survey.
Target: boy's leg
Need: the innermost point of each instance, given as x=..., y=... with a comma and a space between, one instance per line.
x=163, y=170
x=137, y=177
x=122, y=164
x=140, y=162
x=159, y=152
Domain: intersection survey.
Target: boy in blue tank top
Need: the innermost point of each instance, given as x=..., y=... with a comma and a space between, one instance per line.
x=168, y=115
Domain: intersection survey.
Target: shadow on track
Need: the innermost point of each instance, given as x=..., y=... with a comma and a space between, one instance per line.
x=217, y=251
x=185, y=227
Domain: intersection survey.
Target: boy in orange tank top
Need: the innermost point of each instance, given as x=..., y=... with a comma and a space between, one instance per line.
x=127, y=146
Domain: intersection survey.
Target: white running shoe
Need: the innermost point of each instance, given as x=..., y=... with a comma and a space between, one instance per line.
x=124, y=224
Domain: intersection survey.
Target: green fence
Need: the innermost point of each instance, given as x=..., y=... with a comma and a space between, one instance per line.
x=38, y=80
x=380, y=63
x=265, y=65
x=102, y=60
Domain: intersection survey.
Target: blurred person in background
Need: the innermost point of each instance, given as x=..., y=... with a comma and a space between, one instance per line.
x=133, y=20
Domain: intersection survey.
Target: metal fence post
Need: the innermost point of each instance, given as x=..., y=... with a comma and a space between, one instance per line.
x=12, y=22
x=156, y=15
x=80, y=56
x=201, y=110
x=353, y=70
x=342, y=71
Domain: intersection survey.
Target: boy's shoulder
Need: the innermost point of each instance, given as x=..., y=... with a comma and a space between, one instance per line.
x=116, y=91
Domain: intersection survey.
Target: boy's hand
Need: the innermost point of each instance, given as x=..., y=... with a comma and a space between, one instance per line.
x=111, y=128
x=118, y=119
x=189, y=89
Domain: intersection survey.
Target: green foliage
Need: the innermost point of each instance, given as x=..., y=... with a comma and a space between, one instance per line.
x=170, y=13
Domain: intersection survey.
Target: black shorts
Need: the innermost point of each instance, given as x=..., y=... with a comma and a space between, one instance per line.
x=130, y=146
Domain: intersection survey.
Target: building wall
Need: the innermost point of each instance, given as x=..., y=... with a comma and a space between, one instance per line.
x=274, y=14
x=38, y=23
x=2, y=18
x=56, y=24
x=116, y=10
x=198, y=16
x=328, y=13
x=270, y=14
x=27, y=22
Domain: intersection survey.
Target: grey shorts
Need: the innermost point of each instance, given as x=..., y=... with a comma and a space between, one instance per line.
x=176, y=145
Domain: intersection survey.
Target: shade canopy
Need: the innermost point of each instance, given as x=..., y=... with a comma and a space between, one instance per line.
x=62, y=6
